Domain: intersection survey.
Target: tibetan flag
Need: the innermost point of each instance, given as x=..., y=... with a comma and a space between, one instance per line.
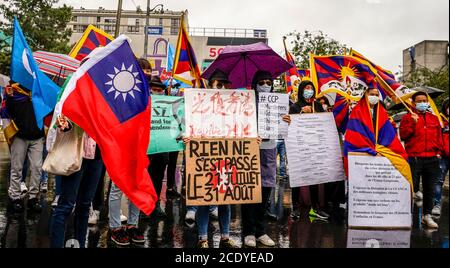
x=109, y=99
x=25, y=71
x=292, y=74
x=365, y=135
x=91, y=39
x=304, y=74
x=185, y=67
x=344, y=75
x=341, y=112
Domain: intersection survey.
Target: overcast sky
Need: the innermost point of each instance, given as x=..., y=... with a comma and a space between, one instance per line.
x=379, y=29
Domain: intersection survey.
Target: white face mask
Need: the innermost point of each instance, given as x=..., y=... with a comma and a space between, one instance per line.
x=264, y=88
x=308, y=93
x=374, y=99
x=325, y=107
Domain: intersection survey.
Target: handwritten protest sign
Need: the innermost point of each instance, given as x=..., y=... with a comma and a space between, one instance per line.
x=222, y=171
x=379, y=195
x=313, y=150
x=271, y=108
x=167, y=124
x=220, y=113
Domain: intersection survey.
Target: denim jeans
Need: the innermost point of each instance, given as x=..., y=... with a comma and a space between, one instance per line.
x=440, y=182
x=254, y=215
x=195, y=208
x=78, y=188
x=281, y=150
x=115, y=197
x=203, y=220
x=58, y=189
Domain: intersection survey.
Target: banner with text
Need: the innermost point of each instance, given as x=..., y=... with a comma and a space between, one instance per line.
x=313, y=150
x=167, y=125
x=271, y=108
x=379, y=195
x=222, y=171
x=220, y=113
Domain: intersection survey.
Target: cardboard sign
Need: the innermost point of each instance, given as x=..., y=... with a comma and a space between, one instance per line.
x=271, y=108
x=313, y=150
x=379, y=195
x=220, y=113
x=167, y=125
x=222, y=171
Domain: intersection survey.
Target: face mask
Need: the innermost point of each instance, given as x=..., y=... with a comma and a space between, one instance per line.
x=422, y=106
x=325, y=107
x=264, y=88
x=308, y=93
x=374, y=99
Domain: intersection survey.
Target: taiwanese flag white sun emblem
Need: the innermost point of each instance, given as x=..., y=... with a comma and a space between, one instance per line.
x=123, y=82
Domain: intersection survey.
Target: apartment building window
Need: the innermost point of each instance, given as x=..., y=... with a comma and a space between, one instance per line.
x=133, y=29
x=174, y=26
x=110, y=21
x=137, y=21
x=160, y=21
x=75, y=18
x=99, y=19
x=110, y=29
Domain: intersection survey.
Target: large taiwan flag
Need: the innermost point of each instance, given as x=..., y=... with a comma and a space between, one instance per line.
x=108, y=98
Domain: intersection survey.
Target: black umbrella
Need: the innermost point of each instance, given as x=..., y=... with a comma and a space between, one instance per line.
x=432, y=91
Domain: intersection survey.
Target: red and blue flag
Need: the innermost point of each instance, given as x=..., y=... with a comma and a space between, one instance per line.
x=291, y=74
x=92, y=38
x=108, y=97
x=341, y=112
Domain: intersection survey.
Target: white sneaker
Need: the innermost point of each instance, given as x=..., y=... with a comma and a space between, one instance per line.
x=428, y=221
x=123, y=218
x=214, y=214
x=189, y=219
x=436, y=210
x=250, y=241
x=93, y=216
x=23, y=188
x=55, y=201
x=265, y=240
x=418, y=195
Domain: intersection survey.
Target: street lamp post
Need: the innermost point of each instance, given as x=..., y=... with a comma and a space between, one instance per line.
x=118, y=18
x=147, y=18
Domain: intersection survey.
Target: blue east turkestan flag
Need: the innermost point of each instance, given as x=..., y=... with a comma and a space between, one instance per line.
x=24, y=71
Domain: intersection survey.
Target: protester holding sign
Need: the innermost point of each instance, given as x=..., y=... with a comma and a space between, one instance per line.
x=307, y=104
x=422, y=133
x=254, y=215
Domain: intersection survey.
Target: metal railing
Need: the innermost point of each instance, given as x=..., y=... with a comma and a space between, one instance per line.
x=227, y=32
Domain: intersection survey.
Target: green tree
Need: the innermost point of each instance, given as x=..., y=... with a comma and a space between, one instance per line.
x=425, y=77
x=317, y=43
x=44, y=26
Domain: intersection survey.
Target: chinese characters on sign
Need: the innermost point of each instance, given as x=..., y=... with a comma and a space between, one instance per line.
x=220, y=113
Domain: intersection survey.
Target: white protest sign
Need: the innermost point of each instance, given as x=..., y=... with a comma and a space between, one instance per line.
x=313, y=150
x=220, y=113
x=378, y=238
x=379, y=195
x=271, y=108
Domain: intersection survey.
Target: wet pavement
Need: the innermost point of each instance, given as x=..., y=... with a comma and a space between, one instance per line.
x=32, y=231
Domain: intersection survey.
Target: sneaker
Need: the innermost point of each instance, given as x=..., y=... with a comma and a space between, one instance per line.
x=44, y=187
x=55, y=201
x=265, y=240
x=418, y=195
x=123, y=218
x=93, y=216
x=250, y=241
x=318, y=214
x=295, y=214
x=227, y=243
x=17, y=205
x=429, y=222
x=436, y=211
x=202, y=244
x=189, y=219
x=135, y=235
x=214, y=214
x=120, y=237
x=23, y=188
x=33, y=204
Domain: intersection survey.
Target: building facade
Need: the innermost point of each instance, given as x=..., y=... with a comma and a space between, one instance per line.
x=429, y=54
x=163, y=30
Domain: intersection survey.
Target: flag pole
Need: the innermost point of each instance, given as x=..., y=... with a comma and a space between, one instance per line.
x=387, y=86
x=285, y=52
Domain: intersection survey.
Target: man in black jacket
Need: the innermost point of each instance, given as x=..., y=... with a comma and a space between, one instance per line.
x=29, y=141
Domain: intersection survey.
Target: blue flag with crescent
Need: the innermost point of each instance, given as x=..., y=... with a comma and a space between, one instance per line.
x=25, y=71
